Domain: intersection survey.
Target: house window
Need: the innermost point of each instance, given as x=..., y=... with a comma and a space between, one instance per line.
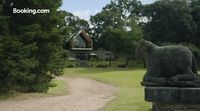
x=78, y=42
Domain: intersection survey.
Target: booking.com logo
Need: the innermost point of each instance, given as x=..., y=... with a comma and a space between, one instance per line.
x=30, y=11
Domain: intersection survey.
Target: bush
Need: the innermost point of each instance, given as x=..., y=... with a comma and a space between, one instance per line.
x=70, y=66
x=102, y=65
x=122, y=65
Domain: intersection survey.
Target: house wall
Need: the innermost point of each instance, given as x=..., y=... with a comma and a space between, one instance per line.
x=103, y=55
x=78, y=55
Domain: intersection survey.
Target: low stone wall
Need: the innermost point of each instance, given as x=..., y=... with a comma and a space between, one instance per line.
x=175, y=107
x=173, y=99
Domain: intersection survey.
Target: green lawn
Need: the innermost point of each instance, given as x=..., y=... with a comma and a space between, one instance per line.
x=131, y=94
x=59, y=89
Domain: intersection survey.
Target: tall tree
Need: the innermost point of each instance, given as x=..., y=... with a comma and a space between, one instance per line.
x=118, y=14
x=115, y=28
x=70, y=24
x=122, y=42
x=30, y=46
x=169, y=21
x=195, y=7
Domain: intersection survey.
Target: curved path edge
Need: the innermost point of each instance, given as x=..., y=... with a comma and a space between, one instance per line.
x=84, y=95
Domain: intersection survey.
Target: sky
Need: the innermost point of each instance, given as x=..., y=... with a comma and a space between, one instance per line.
x=85, y=8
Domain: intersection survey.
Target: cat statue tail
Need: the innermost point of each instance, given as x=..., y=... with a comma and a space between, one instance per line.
x=194, y=65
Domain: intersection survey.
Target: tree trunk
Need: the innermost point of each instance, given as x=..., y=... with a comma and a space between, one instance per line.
x=127, y=61
x=110, y=61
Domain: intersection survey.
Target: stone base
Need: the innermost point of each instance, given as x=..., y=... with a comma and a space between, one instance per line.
x=173, y=99
x=175, y=107
x=172, y=95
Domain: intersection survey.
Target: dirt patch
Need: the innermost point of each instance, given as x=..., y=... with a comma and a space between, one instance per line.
x=84, y=95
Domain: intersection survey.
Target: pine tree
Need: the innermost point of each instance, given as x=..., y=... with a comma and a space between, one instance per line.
x=30, y=46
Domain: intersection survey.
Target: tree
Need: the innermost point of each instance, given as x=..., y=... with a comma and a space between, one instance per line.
x=30, y=46
x=71, y=22
x=119, y=14
x=169, y=21
x=195, y=7
x=195, y=12
x=122, y=42
x=116, y=28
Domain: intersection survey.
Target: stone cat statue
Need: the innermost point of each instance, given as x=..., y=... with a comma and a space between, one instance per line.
x=172, y=65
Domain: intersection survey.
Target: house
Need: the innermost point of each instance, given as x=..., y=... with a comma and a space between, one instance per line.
x=79, y=46
x=102, y=54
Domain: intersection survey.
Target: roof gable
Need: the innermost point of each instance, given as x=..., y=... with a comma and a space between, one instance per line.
x=80, y=41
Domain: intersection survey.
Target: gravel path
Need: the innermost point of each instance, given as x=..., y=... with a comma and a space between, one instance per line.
x=84, y=95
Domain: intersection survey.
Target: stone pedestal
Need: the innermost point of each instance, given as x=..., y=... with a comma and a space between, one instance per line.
x=173, y=99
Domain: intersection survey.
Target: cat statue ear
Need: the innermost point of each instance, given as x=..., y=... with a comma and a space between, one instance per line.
x=147, y=45
x=141, y=42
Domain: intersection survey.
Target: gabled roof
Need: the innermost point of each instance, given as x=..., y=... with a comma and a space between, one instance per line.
x=83, y=33
x=84, y=36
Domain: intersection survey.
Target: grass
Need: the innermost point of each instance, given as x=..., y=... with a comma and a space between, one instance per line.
x=59, y=89
x=130, y=96
x=132, y=63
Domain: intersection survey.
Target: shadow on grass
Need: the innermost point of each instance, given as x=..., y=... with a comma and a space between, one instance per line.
x=92, y=70
x=59, y=90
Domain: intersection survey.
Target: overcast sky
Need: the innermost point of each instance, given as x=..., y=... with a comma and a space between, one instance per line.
x=85, y=8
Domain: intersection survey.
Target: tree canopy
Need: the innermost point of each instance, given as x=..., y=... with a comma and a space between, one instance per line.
x=31, y=46
x=173, y=22
x=115, y=28
x=169, y=21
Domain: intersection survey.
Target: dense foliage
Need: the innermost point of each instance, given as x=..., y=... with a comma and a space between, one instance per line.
x=30, y=46
x=115, y=28
x=169, y=21
x=174, y=22
x=118, y=26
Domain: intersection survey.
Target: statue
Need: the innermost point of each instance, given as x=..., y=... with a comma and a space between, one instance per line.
x=172, y=65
